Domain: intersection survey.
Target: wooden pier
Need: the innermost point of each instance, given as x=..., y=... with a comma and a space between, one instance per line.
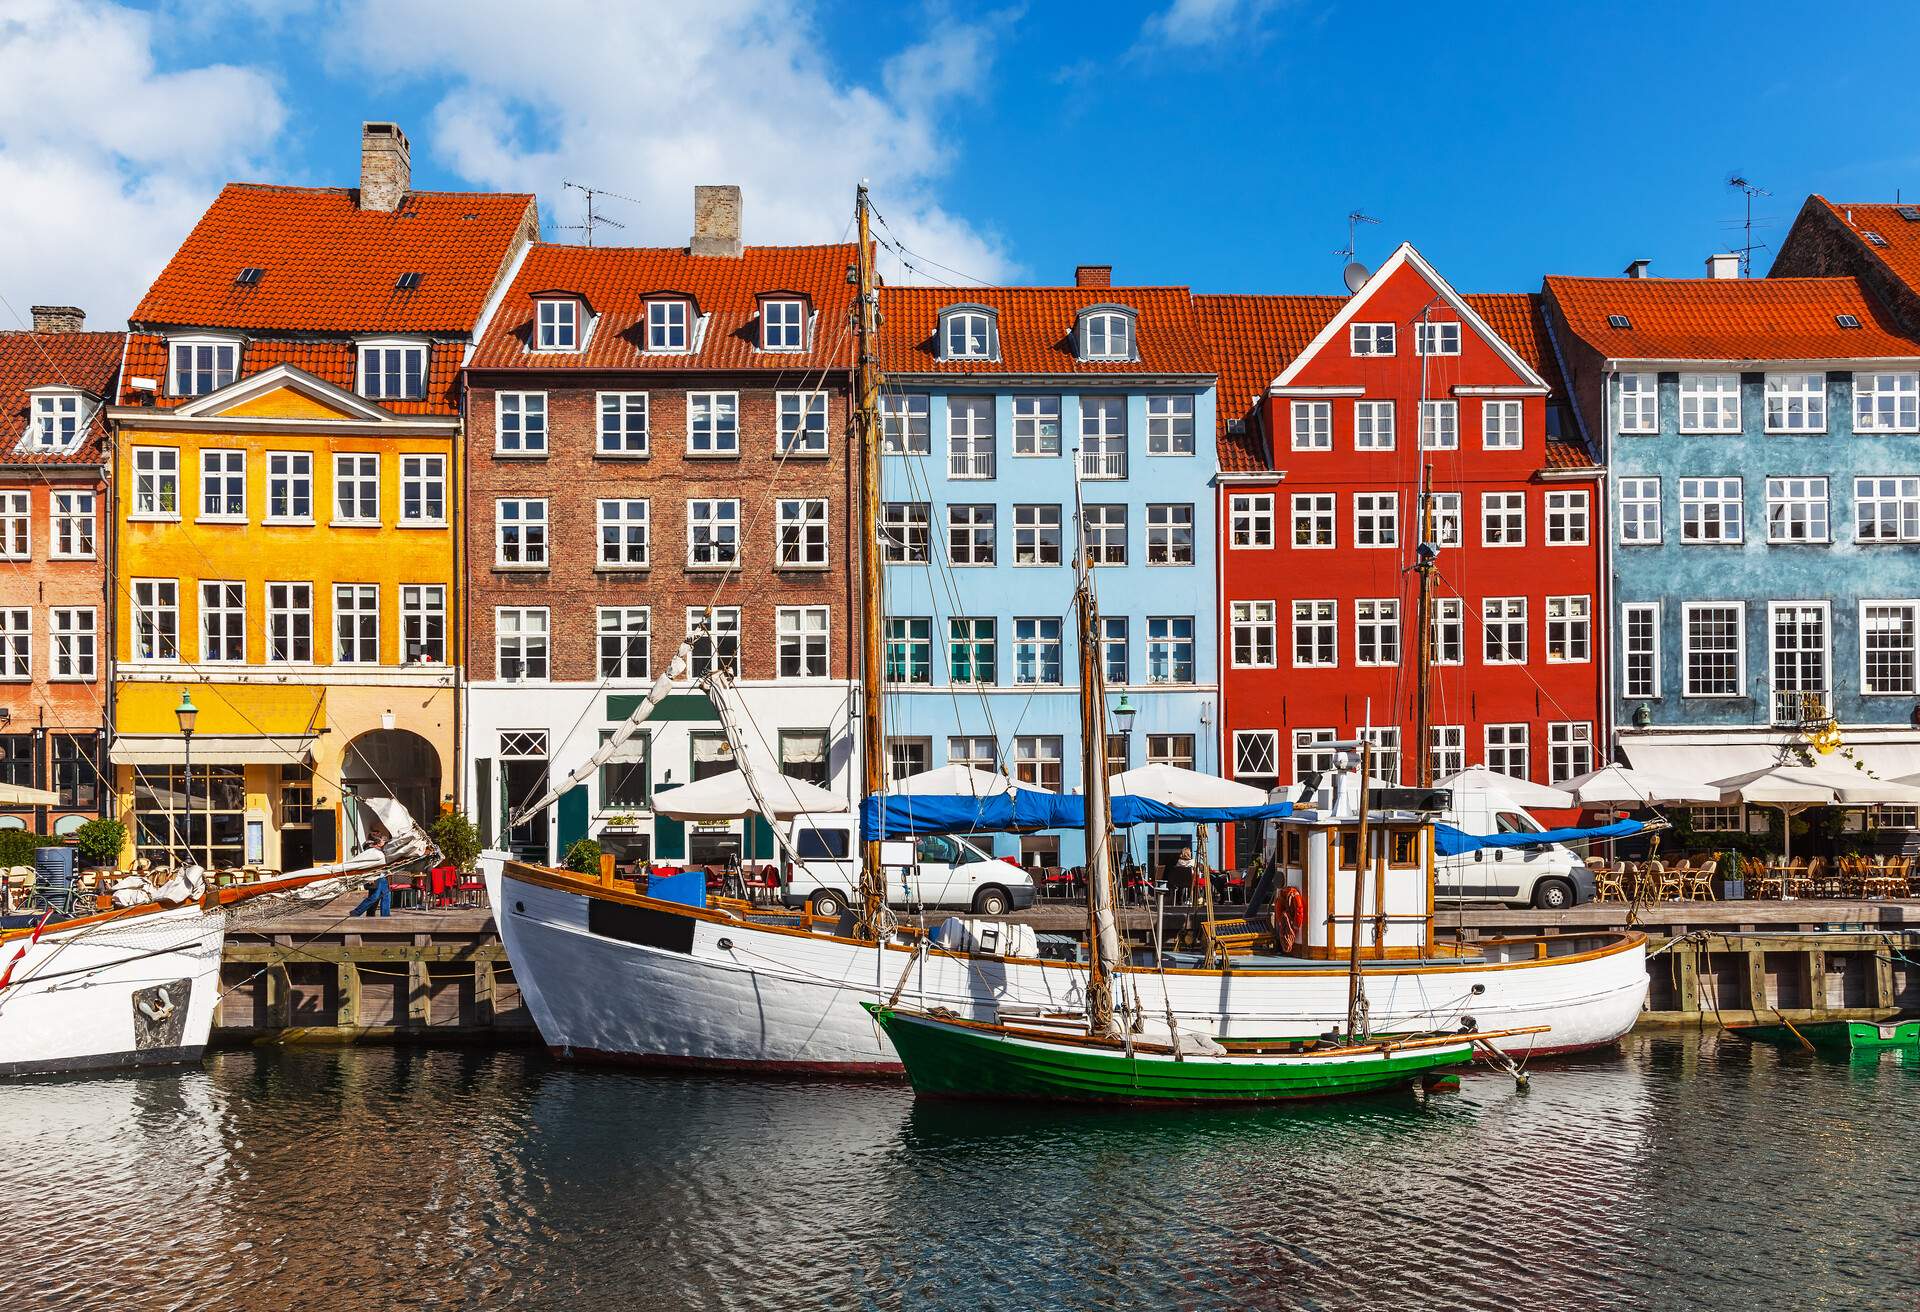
x=442, y=976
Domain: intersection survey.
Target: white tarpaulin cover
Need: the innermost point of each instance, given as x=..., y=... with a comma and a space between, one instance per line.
x=727, y=797
x=1617, y=785
x=1479, y=779
x=1814, y=785
x=1160, y=782
x=954, y=781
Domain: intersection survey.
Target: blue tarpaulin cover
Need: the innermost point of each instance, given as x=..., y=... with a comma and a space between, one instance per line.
x=886, y=816
x=1449, y=841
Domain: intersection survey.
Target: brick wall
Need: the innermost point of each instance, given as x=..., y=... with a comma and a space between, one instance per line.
x=1821, y=245
x=573, y=479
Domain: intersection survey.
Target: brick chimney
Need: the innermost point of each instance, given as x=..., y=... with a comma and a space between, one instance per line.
x=716, y=222
x=386, y=166
x=59, y=319
x=1093, y=275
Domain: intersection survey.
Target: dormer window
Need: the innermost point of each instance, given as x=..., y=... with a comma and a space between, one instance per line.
x=967, y=333
x=1106, y=333
x=393, y=371
x=199, y=365
x=783, y=325
x=667, y=326
x=57, y=419
x=557, y=325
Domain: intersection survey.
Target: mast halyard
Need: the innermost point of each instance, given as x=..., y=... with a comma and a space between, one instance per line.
x=1424, y=553
x=866, y=387
x=1103, y=943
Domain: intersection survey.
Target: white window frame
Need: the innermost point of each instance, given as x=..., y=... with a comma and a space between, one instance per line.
x=1774, y=653
x=958, y=329
x=1568, y=516
x=1376, y=624
x=1164, y=522
x=629, y=659
x=718, y=437
x=1631, y=649
x=1438, y=337
x=622, y=515
x=1638, y=401
x=355, y=593
x=906, y=424
x=715, y=626
x=1507, y=739
x=805, y=632
x=531, y=415
x=285, y=615
x=1505, y=612
x=1886, y=402
x=1704, y=495
x=1373, y=426
x=1910, y=685
x=229, y=366
x=223, y=620
x=73, y=648
x=1253, y=748
x=1030, y=521
x=1447, y=749
x=1312, y=421
x=1170, y=424
x=59, y=420
x=669, y=326
x=1318, y=620
x=1313, y=751
x=783, y=324
x=1255, y=632
x=16, y=524
x=973, y=535
x=1795, y=402
x=1448, y=525
x=534, y=550
x=350, y=469
x=719, y=514
x=1710, y=403
x=801, y=539
x=1449, y=621
x=155, y=469
x=73, y=525
x=972, y=437
x=1165, y=645
x=1500, y=512
x=621, y=408
x=556, y=325
x=1371, y=339
x=421, y=603
x=1372, y=510
x=144, y=602
x=1645, y=510
x=800, y=424
x=1250, y=521
x=1036, y=427
x=1440, y=425
x=1798, y=511
x=1574, y=623
x=1106, y=335
x=369, y=371
x=16, y=644
x=1871, y=490
x=1573, y=741
x=1319, y=514
x=1687, y=611
x=523, y=639
x=298, y=470
x=423, y=478
x=1503, y=425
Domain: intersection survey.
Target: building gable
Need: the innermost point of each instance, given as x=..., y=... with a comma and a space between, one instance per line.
x=283, y=392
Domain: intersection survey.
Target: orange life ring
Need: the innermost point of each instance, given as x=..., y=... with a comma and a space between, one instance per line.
x=1290, y=917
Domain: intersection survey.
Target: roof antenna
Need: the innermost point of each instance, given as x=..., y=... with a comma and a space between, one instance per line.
x=592, y=218
x=1739, y=183
x=1355, y=274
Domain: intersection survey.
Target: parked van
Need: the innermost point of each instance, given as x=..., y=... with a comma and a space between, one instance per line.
x=1549, y=875
x=935, y=871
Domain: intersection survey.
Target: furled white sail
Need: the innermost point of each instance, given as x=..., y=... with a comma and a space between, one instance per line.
x=676, y=668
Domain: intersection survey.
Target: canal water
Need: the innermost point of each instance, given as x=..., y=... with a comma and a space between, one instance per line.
x=1682, y=1172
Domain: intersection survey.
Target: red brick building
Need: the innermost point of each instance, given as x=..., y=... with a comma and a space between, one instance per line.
x=658, y=448
x=55, y=588
x=1329, y=409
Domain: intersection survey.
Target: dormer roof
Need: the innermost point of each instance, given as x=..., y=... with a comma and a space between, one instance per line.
x=84, y=362
x=1037, y=327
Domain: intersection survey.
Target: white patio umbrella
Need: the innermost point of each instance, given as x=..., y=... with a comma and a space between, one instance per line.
x=1479, y=779
x=955, y=780
x=1619, y=785
x=21, y=795
x=727, y=797
x=1784, y=787
x=1175, y=786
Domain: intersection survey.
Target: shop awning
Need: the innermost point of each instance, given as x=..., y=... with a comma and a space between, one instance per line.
x=21, y=795
x=213, y=749
x=1699, y=762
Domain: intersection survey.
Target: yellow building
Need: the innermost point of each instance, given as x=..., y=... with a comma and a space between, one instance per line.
x=287, y=453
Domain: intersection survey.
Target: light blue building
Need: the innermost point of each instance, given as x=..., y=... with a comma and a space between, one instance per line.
x=993, y=399
x=1762, y=445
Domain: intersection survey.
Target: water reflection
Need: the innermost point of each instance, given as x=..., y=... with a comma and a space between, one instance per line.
x=1683, y=1171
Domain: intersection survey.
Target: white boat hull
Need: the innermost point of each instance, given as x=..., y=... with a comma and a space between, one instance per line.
x=137, y=990
x=700, y=990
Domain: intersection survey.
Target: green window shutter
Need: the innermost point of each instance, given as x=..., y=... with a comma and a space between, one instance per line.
x=669, y=836
x=573, y=819
x=759, y=838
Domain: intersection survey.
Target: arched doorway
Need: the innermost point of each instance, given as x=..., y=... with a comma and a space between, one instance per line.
x=398, y=764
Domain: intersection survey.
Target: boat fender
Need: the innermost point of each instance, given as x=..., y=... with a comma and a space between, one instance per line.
x=1468, y=1024
x=1290, y=916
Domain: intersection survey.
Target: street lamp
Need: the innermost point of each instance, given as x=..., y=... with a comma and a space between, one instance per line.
x=187, y=713
x=1123, y=713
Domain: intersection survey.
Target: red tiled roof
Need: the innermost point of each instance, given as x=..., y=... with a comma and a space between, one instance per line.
x=617, y=282
x=87, y=361
x=329, y=266
x=1036, y=327
x=1251, y=339
x=334, y=361
x=1728, y=318
x=1901, y=251
x=1520, y=320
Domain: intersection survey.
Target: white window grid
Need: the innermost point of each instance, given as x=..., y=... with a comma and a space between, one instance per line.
x=1567, y=519
x=289, y=623
x=625, y=637
x=356, y=488
x=557, y=324
x=1036, y=426
x=1800, y=659
x=970, y=437
x=1115, y=648
x=1036, y=535
x=356, y=624
x=668, y=326
x=1036, y=650
x=1503, y=519
x=1436, y=338
x=289, y=487
x=520, y=424
x=1886, y=402
x=1169, y=534
x=1639, y=402
x=801, y=539
x=1314, y=516
x=1170, y=649
x=16, y=520
x=1889, y=652
x=423, y=490
x=1709, y=403
x=1385, y=741
x=1373, y=426
x=1104, y=533
x=1447, y=749
x=1376, y=520
x=1715, y=648
x=1370, y=338
x=972, y=534
x=1569, y=750
x=1502, y=425
x=423, y=624
x=156, y=482
x=783, y=325
x=1439, y=425
x=713, y=533
x=156, y=620
x=520, y=651
x=1106, y=336
x=1886, y=509
x=1506, y=746
x=803, y=423
x=904, y=532
x=713, y=423
x=1796, y=403
x=1797, y=510
x=393, y=371
x=1569, y=630
x=973, y=651
x=714, y=636
x=623, y=424
x=223, y=622
x=1640, y=511
x=1037, y=760
x=1640, y=650
x=1103, y=437
x=1250, y=519
x=1447, y=525
x=75, y=525
x=1711, y=510
x=1312, y=425
x=966, y=335
x=1313, y=751
x=1376, y=631
x=223, y=486
x=905, y=427
x=75, y=647
x=626, y=532
x=56, y=422
x=800, y=639
x=1316, y=634
x=16, y=644
x=520, y=533
x=1254, y=634
x=1449, y=631
x=1169, y=425
x=1504, y=630
x=1256, y=755
x=198, y=367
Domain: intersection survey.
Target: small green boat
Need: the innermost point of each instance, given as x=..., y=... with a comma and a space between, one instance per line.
x=1837, y=1035
x=947, y=1057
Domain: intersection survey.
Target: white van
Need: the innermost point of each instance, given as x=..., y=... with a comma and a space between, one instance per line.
x=936, y=871
x=1549, y=875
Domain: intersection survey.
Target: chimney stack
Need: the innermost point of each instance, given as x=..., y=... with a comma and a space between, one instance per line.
x=59, y=319
x=716, y=222
x=1723, y=266
x=386, y=167
x=1093, y=275
x=1638, y=268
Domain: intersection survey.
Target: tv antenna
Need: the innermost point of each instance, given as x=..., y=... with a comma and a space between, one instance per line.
x=1355, y=273
x=592, y=218
x=1738, y=182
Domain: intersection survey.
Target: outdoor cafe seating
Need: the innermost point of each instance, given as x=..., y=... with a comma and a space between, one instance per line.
x=1686, y=879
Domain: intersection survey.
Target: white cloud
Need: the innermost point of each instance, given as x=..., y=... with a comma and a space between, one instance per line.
x=648, y=100
x=1196, y=23
x=106, y=159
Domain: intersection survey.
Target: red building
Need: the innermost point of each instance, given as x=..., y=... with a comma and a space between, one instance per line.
x=1329, y=409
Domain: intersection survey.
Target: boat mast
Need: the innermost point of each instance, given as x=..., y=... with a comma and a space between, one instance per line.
x=1362, y=864
x=866, y=427
x=1103, y=943
x=1424, y=553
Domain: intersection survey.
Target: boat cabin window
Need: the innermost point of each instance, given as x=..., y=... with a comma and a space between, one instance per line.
x=1294, y=848
x=828, y=844
x=1350, y=849
x=1403, y=847
x=935, y=850
x=1512, y=822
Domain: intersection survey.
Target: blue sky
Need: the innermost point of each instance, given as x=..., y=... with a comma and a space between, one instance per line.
x=1213, y=142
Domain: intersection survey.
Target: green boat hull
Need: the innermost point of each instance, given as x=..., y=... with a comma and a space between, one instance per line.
x=1838, y=1035
x=952, y=1061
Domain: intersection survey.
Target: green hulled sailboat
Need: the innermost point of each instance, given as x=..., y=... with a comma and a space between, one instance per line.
x=954, y=1058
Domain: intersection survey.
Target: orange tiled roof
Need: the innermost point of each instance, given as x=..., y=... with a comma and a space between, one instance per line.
x=1036, y=330
x=1251, y=340
x=1728, y=318
x=87, y=361
x=329, y=266
x=616, y=282
x=336, y=362
x=1900, y=235
x=1520, y=320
